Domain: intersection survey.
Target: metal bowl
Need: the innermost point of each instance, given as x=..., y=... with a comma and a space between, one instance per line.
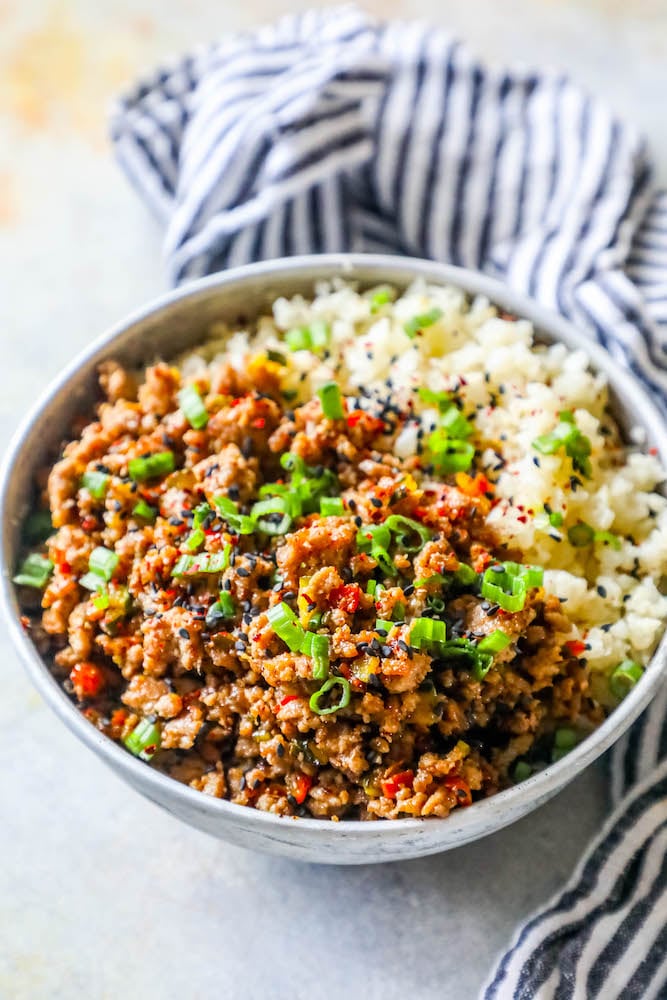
x=177, y=321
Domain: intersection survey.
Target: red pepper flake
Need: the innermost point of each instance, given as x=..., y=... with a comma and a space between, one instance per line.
x=64, y=568
x=259, y=423
x=287, y=699
x=89, y=523
x=25, y=622
x=575, y=647
x=391, y=786
x=653, y=451
x=303, y=784
x=354, y=418
x=346, y=597
x=88, y=680
x=460, y=788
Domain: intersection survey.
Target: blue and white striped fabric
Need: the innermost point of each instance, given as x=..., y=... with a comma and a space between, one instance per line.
x=329, y=132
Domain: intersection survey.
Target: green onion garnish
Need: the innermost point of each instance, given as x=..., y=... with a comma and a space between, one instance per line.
x=507, y=584
x=284, y=623
x=375, y=539
x=608, y=538
x=522, y=770
x=152, y=466
x=317, y=647
x=327, y=686
x=144, y=511
x=427, y=631
x=37, y=527
x=450, y=455
x=205, y=562
x=96, y=483
x=92, y=581
x=624, y=678
x=222, y=610
x=192, y=404
x=34, y=571
x=308, y=338
x=331, y=507
x=565, y=739
x=465, y=575
x=567, y=436
x=240, y=523
x=331, y=400
x=417, y=323
x=381, y=297
x=403, y=528
x=555, y=519
x=264, y=511
x=103, y=562
x=276, y=356
x=443, y=400
x=580, y=535
x=102, y=601
x=495, y=642
x=426, y=581
x=383, y=625
x=195, y=540
x=144, y=740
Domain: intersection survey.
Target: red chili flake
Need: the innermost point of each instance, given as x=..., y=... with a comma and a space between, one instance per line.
x=419, y=513
x=64, y=568
x=303, y=784
x=287, y=699
x=354, y=418
x=460, y=788
x=118, y=718
x=575, y=646
x=89, y=523
x=653, y=451
x=391, y=786
x=259, y=423
x=25, y=622
x=88, y=680
x=522, y=518
x=346, y=597
x=235, y=402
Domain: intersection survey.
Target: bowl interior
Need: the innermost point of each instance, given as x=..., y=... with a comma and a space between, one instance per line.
x=179, y=321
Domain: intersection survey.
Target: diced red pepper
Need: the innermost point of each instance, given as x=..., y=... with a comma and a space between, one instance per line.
x=391, y=786
x=302, y=784
x=460, y=788
x=575, y=647
x=346, y=597
x=88, y=680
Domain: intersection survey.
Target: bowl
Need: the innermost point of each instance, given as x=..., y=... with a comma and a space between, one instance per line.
x=171, y=324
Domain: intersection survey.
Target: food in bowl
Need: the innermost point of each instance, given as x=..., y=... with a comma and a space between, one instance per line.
x=375, y=555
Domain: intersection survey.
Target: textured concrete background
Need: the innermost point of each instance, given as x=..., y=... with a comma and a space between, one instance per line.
x=101, y=894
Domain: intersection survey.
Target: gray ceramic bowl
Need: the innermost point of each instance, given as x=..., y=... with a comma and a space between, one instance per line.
x=173, y=323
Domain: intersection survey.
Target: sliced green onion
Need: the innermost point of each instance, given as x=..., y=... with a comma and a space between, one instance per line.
x=192, y=404
x=92, y=581
x=195, y=540
x=507, y=584
x=454, y=424
x=555, y=519
x=264, y=511
x=495, y=642
x=522, y=770
x=34, y=571
x=466, y=575
x=375, y=539
x=315, y=621
x=326, y=687
x=383, y=625
x=381, y=297
x=580, y=535
x=417, y=323
x=403, y=527
x=222, y=610
x=608, y=538
x=104, y=562
x=317, y=647
x=427, y=631
x=151, y=466
x=332, y=401
x=450, y=455
x=426, y=581
x=144, y=740
x=436, y=602
x=205, y=562
x=331, y=507
x=624, y=678
x=96, y=483
x=37, y=527
x=240, y=523
x=565, y=738
x=308, y=338
x=102, y=601
x=144, y=511
x=200, y=514
x=284, y=623
x=443, y=400
x=374, y=588
x=276, y=356
x=567, y=436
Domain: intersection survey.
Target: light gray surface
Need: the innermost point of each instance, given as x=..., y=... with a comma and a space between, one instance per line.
x=102, y=894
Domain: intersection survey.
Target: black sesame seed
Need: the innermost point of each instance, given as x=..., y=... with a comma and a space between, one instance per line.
x=184, y=634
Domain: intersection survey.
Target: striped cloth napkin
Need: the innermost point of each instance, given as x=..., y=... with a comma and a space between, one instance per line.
x=330, y=132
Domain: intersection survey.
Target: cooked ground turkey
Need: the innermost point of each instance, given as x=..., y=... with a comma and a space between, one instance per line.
x=230, y=702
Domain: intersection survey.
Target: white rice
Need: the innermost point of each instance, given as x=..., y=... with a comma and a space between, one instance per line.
x=612, y=595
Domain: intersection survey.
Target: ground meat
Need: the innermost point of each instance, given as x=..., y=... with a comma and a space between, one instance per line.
x=181, y=634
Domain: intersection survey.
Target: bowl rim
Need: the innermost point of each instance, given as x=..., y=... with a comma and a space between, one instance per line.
x=539, y=785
